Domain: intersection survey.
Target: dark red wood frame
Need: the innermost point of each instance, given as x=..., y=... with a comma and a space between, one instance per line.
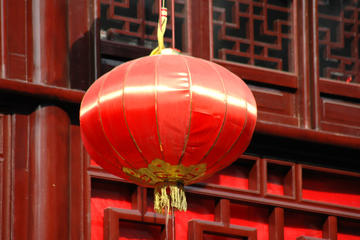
x=45, y=174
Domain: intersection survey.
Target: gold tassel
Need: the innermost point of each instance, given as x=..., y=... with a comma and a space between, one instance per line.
x=175, y=198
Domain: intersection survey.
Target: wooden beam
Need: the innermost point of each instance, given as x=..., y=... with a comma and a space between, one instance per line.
x=41, y=91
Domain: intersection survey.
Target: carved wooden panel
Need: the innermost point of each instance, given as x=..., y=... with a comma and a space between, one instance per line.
x=258, y=33
x=237, y=203
x=338, y=61
x=340, y=116
x=135, y=22
x=254, y=38
x=275, y=105
x=339, y=41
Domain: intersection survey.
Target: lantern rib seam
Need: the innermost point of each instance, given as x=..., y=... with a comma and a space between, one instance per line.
x=190, y=118
x=101, y=122
x=236, y=141
x=125, y=119
x=225, y=115
x=156, y=107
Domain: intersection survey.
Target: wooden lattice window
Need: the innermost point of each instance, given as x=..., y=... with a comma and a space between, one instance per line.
x=135, y=22
x=259, y=33
x=300, y=58
x=339, y=40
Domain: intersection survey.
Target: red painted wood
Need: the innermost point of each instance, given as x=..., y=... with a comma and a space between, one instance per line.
x=50, y=43
x=302, y=54
x=261, y=75
x=339, y=116
x=329, y=187
x=20, y=158
x=329, y=86
x=103, y=195
x=199, y=41
x=5, y=180
x=297, y=225
x=240, y=175
x=49, y=175
x=42, y=91
x=81, y=41
x=348, y=229
x=330, y=228
x=222, y=212
x=297, y=106
x=16, y=36
x=77, y=180
x=276, y=224
x=280, y=178
x=316, y=136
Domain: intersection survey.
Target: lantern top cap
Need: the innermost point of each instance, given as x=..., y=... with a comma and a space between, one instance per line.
x=170, y=51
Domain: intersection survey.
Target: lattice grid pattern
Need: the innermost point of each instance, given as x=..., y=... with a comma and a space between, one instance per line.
x=258, y=32
x=339, y=39
x=135, y=22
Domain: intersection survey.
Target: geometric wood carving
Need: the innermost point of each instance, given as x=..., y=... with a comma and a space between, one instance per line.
x=258, y=33
x=339, y=41
x=135, y=22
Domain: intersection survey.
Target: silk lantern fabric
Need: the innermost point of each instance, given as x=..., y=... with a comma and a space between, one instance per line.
x=167, y=118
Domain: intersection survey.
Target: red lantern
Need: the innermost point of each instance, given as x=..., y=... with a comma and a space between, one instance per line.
x=166, y=121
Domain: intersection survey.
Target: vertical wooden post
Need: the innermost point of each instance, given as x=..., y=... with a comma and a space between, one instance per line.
x=330, y=228
x=5, y=180
x=50, y=125
x=50, y=42
x=200, y=37
x=222, y=212
x=49, y=164
x=276, y=224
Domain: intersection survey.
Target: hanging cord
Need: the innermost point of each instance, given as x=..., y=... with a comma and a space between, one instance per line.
x=162, y=26
x=173, y=22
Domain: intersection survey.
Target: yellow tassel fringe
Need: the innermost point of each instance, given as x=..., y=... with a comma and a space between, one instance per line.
x=164, y=199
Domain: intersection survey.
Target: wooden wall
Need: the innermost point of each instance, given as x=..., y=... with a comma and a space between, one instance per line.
x=297, y=180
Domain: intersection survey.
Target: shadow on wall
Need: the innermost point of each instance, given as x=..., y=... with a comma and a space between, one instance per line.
x=84, y=58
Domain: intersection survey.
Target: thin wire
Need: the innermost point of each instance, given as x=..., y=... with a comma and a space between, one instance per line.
x=173, y=22
x=173, y=223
